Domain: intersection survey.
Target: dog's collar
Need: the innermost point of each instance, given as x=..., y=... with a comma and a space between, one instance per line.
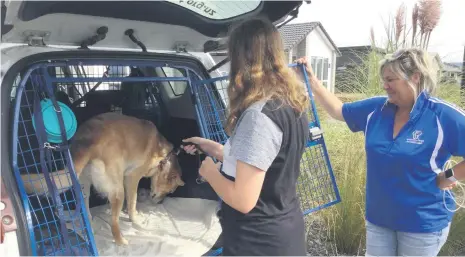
x=174, y=151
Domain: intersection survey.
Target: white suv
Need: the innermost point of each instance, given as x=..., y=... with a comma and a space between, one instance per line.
x=147, y=59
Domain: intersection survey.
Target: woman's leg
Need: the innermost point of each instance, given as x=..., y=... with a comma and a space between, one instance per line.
x=422, y=244
x=380, y=241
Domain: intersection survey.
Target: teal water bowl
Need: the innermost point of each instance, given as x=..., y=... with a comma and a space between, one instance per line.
x=52, y=124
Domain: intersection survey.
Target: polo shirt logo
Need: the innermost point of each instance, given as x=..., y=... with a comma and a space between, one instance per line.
x=416, y=138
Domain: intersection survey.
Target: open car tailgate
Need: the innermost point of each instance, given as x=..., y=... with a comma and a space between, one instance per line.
x=160, y=25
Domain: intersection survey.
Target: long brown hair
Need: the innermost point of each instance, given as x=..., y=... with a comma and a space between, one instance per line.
x=258, y=70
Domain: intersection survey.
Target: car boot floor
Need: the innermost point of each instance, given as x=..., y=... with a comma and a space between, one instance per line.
x=192, y=189
x=174, y=227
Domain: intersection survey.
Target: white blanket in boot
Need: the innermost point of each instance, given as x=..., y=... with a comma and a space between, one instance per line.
x=176, y=227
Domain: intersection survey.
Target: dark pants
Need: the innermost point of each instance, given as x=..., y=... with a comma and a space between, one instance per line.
x=284, y=236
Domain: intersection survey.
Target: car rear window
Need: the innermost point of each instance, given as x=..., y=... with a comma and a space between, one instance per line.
x=218, y=10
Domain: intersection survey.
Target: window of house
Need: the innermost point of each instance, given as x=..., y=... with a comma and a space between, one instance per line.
x=320, y=66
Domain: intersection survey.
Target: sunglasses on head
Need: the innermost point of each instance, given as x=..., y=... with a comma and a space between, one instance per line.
x=396, y=55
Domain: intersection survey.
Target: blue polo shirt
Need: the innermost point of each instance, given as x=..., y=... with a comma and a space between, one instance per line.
x=401, y=191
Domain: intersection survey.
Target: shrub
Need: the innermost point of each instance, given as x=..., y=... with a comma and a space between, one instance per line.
x=346, y=221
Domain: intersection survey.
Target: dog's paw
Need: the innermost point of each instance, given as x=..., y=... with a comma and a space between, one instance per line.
x=136, y=218
x=157, y=200
x=121, y=241
x=89, y=216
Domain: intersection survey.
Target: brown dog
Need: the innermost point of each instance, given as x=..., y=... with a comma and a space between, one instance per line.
x=113, y=152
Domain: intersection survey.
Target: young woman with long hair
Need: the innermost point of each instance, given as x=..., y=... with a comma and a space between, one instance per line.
x=268, y=131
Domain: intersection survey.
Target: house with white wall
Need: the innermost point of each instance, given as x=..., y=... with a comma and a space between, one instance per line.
x=304, y=39
x=450, y=73
x=311, y=39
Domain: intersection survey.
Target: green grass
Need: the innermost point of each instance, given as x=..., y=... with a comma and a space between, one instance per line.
x=455, y=245
x=346, y=220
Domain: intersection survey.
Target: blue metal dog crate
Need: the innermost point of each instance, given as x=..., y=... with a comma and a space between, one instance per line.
x=317, y=187
x=46, y=215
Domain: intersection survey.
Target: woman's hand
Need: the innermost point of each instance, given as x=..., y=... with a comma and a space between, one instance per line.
x=308, y=67
x=443, y=183
x=208, y=167
x=207, y=146
x=328, y=100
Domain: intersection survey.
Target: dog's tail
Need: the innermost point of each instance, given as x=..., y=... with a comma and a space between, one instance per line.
x=36, y=184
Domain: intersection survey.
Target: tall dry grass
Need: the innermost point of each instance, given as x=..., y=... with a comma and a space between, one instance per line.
x=345, y=222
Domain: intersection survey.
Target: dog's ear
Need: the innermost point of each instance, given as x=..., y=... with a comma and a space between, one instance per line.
x=158, y=162
x=162, y=164
x=172, y=175
x=179, y=181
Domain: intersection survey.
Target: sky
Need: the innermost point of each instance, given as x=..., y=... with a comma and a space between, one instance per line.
x=351, y=28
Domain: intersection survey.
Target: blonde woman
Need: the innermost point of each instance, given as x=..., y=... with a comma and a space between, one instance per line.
x=268, y=131
x=409, y=135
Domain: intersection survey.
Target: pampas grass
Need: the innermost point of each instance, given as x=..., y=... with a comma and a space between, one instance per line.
x=400, y=24
x=414, y=24
x=429, y=12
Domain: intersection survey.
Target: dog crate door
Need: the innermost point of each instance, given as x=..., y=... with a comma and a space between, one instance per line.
x=316, y=187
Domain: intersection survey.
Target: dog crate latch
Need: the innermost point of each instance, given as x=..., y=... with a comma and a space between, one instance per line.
x=180, y=47
x=315, y=133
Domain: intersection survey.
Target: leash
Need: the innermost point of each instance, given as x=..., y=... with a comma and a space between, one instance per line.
x=199, y=180
x=447, y=166
x=177, y=150
x=43, y=145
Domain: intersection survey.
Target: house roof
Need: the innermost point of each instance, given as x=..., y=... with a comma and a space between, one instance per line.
x=293, y=34
x=451, y=68
x=362, y=48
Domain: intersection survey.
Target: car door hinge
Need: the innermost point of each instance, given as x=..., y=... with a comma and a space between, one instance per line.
x=180, y=47
x=36, y=38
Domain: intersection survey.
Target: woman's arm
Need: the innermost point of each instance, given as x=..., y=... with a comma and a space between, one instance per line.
x=256, y=143
x=209, y=147
x=459, y=175
x=216, y=150
x=459, y=171
x=452, y=120
x=328, y=100
x=243, y=193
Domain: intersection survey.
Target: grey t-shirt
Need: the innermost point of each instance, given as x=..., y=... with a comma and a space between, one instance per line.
x=255, y=141
x=275, y=225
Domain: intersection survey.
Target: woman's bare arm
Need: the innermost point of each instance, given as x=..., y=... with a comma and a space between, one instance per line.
x=328, y=100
